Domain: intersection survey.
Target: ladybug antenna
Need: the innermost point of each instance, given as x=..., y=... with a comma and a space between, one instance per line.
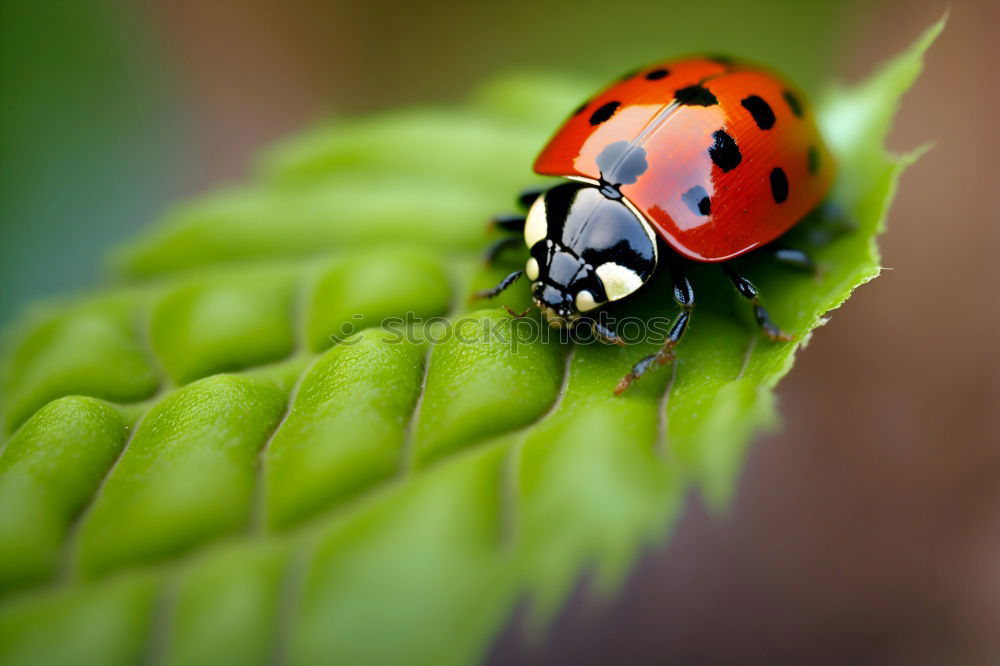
x=518, y=315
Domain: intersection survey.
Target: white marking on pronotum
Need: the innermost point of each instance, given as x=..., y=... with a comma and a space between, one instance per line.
x=536, y=227
x=619, y=281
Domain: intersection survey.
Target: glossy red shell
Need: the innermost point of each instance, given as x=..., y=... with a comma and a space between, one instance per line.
x=744, y=208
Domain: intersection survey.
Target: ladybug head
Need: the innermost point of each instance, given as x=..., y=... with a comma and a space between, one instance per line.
x=588, y=247
x=556, y=302
x=563, y=285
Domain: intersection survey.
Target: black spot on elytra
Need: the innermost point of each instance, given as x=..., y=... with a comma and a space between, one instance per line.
x=793, y=103
x=779, y=185
x=695, y=96
x=813, y=157
x=760, y=110
x=603, y=112
x=724, y=152
x=697, y=200
x=580, y=108
x=657, y=74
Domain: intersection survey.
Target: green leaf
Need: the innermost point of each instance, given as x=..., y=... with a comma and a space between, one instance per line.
x=259, y=471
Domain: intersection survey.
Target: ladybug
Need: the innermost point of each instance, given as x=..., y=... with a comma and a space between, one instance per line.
x=694, y=160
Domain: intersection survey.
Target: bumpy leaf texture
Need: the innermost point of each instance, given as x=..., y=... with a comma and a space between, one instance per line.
x=198, y=468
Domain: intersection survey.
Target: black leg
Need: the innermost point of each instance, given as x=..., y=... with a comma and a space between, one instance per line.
x=529, y=194
x=828, y=223
x=494, y=249
x=514, y=222
x=792, y=257
x=509, y=222
x=504, y=283
x=684, y=296
x=749, y=292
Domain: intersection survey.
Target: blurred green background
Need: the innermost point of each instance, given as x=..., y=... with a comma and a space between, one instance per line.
x=865, y=531
x=91, y=140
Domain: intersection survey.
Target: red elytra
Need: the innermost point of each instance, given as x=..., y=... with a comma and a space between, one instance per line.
x=734, y=155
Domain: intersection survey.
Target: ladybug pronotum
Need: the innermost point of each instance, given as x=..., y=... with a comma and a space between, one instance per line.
x=696, y=160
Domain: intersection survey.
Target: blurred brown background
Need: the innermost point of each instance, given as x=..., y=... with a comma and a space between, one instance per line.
x=866, y=532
